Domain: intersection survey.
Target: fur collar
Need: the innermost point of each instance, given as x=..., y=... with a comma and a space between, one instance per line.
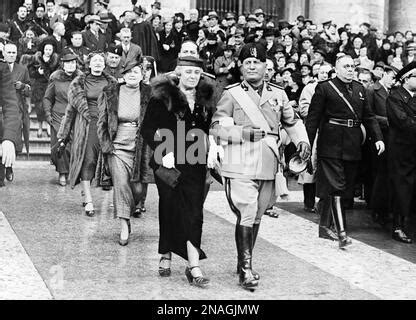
x=165, y=88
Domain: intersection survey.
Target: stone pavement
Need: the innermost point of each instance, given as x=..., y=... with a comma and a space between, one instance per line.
x=50, y=249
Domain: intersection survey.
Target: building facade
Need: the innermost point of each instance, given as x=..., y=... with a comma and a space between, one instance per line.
x=389, y=15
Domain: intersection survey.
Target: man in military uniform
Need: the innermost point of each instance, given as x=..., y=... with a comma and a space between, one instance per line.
x=246, y=123
x=401, y=113
x=9, y=120
x=338, y=108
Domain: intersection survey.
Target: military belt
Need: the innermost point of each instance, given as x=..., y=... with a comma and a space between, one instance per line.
x=350, y=123
x=129, y=124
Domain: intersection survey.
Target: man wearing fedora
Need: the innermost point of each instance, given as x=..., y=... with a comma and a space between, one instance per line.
x=338, y=109
x=144, y=35
x=410, y=54
x=260, y=15
x=130, y=52
x=155, y=7
x=247, y=123
x=94, y=38
x=401, y=113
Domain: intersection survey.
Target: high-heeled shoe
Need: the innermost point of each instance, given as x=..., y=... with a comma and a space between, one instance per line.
x=199, y=281
x=164, y=272
x=9, y=174
x=62, y=181
x=124, y=242
x=89, y=213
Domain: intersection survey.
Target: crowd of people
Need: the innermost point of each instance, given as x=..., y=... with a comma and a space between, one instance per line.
x=265, y=91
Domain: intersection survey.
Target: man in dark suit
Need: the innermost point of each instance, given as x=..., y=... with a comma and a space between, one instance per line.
x=377, y=98
x=401, y=114
x=338, y=108
x=130, y=52
x=9, y=120
x=94, y=39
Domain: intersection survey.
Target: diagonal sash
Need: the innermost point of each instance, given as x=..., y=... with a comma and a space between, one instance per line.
x=255, y=115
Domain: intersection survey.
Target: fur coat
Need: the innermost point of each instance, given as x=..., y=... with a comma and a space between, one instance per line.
x=40, y=81
x=107, y=129
x=77, y=118
x=168, y=105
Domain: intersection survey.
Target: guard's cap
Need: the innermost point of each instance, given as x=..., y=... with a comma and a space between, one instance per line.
x=253, y=50
x=407, y=71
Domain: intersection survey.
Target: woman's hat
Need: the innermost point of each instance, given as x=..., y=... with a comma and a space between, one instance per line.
x=190, y=61
x=130, y=66
x=68, y=56
x=296, y=164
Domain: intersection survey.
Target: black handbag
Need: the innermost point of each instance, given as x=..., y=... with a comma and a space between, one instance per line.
x=168, y=176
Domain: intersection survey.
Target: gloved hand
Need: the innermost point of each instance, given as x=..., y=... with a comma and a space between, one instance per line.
x=61, y=148
x=253, y=134
x=168, y=161
x=304, y=150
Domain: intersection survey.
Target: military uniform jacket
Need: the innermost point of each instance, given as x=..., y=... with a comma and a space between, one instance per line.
x=335, y=141
x=253, y=160
x=401, y=113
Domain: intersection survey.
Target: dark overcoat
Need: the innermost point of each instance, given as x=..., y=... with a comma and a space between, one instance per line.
x=377, y=98
x=334, y=141
x=180, y=208
x=77, y=117
x=401, y=113
x=107, y=124
x=8, y=102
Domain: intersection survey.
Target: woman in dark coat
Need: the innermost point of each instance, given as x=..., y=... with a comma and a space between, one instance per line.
x=43, y=64
x=81, y=115
x=122, y=109
x=169, y=46
x=54, y=104
x=187, y=105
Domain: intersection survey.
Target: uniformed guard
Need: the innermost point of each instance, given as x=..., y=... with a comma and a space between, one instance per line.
x=401, y=114
x=246, y=123
x=339, y=108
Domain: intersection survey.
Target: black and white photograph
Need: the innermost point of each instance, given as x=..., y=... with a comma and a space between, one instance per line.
x=207, y=157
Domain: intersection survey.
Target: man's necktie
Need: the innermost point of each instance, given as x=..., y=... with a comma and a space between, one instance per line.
x=349, y=89
x=11, y=67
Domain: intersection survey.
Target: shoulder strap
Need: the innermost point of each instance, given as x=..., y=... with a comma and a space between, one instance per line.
x=343, y=98
x=250, y=108
x=18, y=28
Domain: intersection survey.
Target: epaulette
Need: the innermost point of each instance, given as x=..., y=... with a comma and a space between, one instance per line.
x=231, y=86
x=276, y=86
x=209, y=75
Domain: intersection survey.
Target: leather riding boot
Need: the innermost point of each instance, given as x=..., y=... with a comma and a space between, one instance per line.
x=325, y=221
x=2, y=174
x=344, y=241
x=244, y=246
x=255, y=232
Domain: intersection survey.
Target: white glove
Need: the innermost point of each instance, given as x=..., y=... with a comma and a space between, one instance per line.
x=9, y=153
x=168, y=161
x=166, y=47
